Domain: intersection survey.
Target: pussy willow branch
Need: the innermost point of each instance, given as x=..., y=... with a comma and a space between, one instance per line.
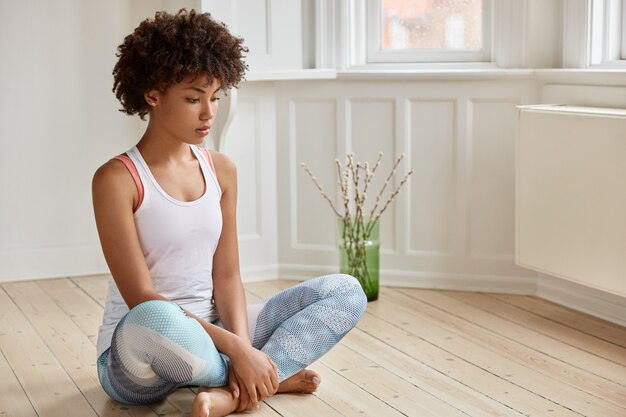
x=344, y=192
x=351, y=177
x=342, y=184
x=389, y=201
x=368, y=179
x=391, y=174
x=380, y=156
x=338, y=163
x=354, y=171
x=358, y=196
x=319, y=187
x=369, y=175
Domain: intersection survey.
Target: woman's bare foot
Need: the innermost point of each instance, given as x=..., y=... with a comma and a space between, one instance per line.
x=219, y=402
x=214, y=402
x=305, y=381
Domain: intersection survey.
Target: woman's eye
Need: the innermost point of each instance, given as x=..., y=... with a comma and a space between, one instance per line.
x=215, y=99
x=192, y=100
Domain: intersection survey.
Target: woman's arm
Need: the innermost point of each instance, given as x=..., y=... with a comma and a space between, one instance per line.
x=249, y=370
x=114, y=196
x=228, y=291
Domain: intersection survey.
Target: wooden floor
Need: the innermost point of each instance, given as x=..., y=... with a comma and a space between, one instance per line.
x=414, y=353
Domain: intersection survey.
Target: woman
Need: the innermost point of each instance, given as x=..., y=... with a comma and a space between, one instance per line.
x=176, y=313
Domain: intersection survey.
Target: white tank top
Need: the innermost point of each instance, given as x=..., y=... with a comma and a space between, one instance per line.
x=178, y=240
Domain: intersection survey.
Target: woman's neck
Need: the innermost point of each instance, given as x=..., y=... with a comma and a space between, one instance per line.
x=160, y=148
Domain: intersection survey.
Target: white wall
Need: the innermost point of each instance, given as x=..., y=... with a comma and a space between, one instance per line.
x=58, y=123
x=251, y=143
x=272, y=30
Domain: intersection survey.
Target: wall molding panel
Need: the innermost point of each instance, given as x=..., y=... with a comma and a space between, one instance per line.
x=489, y=172
x=444, y=128
x=250, y=142
x=271, y=30
x=312, y=127
x=431, y=142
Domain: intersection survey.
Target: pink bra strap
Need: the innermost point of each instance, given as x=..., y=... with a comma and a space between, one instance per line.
x=135, y=174
x=207, y=155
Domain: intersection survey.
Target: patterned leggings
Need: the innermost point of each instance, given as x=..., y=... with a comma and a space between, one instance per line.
x=157, y=348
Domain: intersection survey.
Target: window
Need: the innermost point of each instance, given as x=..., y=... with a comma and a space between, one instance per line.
x=428, y=30
x=595, y=34
x=606, y=32
x=620, y=23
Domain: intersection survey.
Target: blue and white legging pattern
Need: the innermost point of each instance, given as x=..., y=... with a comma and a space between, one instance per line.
x=157, y=348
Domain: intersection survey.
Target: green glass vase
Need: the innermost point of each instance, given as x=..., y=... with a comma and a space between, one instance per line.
x=359, y=252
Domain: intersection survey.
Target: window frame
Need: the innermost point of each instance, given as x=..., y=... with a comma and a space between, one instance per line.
x=622, y=30
x=606, y=34
x=372, y=30
x=595, y=34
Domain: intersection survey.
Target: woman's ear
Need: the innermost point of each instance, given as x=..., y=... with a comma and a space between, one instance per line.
x=151, y=97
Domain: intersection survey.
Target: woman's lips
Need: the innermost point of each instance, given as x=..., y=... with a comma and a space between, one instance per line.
x=203, y=130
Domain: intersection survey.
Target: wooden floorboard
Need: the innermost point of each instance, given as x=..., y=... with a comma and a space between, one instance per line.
x=573, y=337
x=581, y=322
x=532, y=339
x=495, y=359
x=13, y=401
x=535, y=359
x=414, y=353
x=45, y=380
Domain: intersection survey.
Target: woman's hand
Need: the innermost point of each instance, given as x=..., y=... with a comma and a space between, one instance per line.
x=253, y=376
x=237, y=391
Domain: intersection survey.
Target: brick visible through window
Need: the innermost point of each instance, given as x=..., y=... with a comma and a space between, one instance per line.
x=431, y=24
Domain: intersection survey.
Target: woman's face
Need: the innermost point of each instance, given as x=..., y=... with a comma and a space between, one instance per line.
x=186, y=110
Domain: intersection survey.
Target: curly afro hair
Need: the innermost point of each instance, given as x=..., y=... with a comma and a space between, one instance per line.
x=167, y=49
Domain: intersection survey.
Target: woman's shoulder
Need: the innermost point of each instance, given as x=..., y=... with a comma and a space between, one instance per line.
x=113, y=177
x=110, y=170
x=222, y=160
x=224, y=165
x=225, y=169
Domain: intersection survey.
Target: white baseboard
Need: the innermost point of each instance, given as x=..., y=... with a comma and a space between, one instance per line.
x=54, y=263
x=575, y=296
x=418, y=279
x=459, y=282
x=301, y=272
x=259, y=273
x=598, y=303
x=51, y=262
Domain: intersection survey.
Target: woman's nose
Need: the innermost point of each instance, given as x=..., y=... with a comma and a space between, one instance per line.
x=209, y=111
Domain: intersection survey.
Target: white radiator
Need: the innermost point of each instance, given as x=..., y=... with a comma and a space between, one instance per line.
x=571, y=194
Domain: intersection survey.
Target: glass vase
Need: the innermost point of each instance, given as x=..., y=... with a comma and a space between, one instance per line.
x=359, y=252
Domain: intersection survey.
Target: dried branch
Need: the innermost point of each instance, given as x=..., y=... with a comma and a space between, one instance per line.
x=380, y=156
x=391, y=174
x=394, y=194
x=354, y=186
x=321, y=190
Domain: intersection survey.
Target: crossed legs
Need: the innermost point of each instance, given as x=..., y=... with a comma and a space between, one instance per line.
x=156, y=348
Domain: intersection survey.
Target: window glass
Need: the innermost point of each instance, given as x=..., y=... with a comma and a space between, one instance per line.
x=431, y=24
